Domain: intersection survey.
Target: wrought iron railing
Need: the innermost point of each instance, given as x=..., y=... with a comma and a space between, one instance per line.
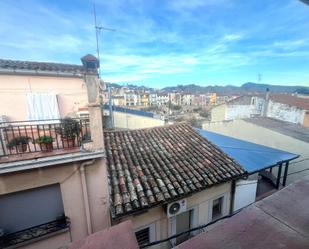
x=35, y=232
x=20, y=137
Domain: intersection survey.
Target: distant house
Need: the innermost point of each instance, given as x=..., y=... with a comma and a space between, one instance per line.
x=126, y=118
x=238, y=108
x=162, y=99
x=153, y=99
x=279, y=106
x=167, y=180
x=289, y=108
x=119, y=100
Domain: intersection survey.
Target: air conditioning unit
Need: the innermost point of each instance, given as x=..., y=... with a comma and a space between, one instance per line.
x=176, y=207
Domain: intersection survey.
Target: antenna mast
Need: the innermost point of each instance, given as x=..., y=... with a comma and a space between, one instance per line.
x=97, y=30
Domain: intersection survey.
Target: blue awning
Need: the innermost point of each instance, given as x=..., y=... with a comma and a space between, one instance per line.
x=252, y=157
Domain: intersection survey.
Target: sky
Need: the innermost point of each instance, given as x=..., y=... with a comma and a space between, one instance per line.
x=160, y=43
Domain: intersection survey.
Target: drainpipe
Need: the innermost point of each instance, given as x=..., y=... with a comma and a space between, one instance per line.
x=85, y=194
x=232, y=197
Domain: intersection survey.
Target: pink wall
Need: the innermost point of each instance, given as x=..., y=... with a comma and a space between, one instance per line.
x=71, y=92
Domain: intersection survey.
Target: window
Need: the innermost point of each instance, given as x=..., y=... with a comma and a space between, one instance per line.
x=145, y=235
x=42, y=106
x=217, y=208
x=29, y=208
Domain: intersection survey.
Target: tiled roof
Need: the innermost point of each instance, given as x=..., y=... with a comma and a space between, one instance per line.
x=302, y=103
x=152, y=166
x=40, y=66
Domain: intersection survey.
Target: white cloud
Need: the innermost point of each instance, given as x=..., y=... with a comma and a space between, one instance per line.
x=232, y=37
x=291, y=44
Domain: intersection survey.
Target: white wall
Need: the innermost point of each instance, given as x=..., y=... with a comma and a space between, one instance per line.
x=245, y=193
x=285, y=112
x=130, y=121
x=240, y=111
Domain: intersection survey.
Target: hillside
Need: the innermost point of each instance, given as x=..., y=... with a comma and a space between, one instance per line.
x=245, y=88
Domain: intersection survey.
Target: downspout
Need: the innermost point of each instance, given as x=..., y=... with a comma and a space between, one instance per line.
x=232, y=197
x=85, y=194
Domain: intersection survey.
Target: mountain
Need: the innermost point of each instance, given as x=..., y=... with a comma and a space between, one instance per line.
x=246, y=88
x=231, y=90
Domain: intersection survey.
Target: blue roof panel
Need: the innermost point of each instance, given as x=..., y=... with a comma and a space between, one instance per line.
x=252, y=157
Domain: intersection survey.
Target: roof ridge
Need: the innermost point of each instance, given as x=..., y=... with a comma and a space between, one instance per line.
x=41, y=62
x=183, y=123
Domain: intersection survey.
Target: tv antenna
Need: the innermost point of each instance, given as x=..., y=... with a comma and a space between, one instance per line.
x=98, y=29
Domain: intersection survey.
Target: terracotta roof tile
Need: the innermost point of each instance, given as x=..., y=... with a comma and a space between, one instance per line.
x=152, y=166
x=41, y=66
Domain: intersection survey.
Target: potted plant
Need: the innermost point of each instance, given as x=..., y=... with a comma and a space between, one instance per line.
x=20, y=143
x=69, y=129
x=45, y=142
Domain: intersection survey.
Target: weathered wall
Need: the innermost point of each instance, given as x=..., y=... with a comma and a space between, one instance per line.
x=199, y=201
x=260, y=135
x=240, y=111
x=71, y=92
x=218, y=113
x=69, y=178
x=130, y=121
x=285, y=112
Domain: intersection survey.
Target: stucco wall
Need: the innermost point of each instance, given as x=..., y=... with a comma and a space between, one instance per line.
x=69, y=178
x=218, y=113
x=240, y=111
x=129, y=121
x=71, y=93
x=199, y=201
x=285, y=112
x=260, y=135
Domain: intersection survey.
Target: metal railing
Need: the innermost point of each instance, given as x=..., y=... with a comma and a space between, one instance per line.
x=35, y=232
x=20, y=137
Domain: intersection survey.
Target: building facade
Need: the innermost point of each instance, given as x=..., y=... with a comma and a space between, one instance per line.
x=51, y=190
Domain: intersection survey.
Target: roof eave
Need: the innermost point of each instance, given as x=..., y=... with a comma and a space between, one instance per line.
x=40, y=73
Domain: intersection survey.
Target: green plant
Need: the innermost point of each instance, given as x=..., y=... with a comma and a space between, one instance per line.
x=69, y=128
x=44, y=140
x=86, y=137
x=14, y=142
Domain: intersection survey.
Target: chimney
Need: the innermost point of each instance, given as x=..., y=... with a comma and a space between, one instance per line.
x=91, y=77
x=266, y=102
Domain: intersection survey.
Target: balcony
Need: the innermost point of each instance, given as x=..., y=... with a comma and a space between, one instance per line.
x=34, y=233
x=26, y=140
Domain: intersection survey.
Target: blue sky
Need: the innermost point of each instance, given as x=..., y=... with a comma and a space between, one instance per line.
x=160, y=42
